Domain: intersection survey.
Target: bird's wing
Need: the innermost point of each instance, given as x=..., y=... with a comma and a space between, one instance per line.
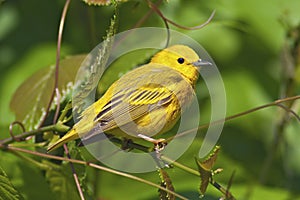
x=134, y=99
x=128, y=106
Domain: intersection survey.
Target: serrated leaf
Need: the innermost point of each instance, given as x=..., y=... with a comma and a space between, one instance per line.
x=61, y=181
x=209, y=162
x=102, y=2
x=205, y=169
x=166, y=183
x=205, y=177
x=75, y=153
x=7, y=190
x=93, y=68
x=30, y=100
x=61, y=178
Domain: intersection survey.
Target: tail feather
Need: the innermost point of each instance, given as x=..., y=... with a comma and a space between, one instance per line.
x=71, y=135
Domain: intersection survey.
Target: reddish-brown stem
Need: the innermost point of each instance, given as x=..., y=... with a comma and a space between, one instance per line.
x=74, y=173
x=275, y=103
x=11, y=148
x=166, y=20
x=59, y=39
x=12, y=133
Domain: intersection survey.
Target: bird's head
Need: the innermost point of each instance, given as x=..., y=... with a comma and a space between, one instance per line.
x=182, y=59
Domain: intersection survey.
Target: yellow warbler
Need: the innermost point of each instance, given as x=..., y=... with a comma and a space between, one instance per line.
x=146, y=101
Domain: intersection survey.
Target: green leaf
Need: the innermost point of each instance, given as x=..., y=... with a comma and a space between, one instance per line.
x=93, y=68
x=7, y=190
x=30, y=100
x=61, y=178
x=61, y=181
x=205, y=169
x=166, y=183
x=76, y=153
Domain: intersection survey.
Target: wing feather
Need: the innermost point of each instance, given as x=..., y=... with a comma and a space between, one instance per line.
x=139, y=103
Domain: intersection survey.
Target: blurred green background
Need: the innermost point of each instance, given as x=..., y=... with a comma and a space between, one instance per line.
x=251, y=43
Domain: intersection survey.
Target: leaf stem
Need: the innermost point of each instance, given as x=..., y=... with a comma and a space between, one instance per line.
x=181, y=166
x=74, y=173
x=55, y=88
x=274, y=103
x=11, y=148
x=195, y=172
x=55, y=127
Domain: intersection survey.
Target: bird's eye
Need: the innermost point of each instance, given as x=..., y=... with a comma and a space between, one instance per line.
x=180, y=60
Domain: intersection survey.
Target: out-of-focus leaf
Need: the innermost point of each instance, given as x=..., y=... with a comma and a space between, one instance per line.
x=61, y=182
x=205, y=168
x=61, y=178
x=25, y=177
x=102, y=2
x=292, y=150
x=166, y=183
x=31, y=99
x=261, y=192
x=76, y=153
x=7, y=190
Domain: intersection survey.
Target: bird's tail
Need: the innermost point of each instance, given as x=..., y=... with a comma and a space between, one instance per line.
x=71, y=135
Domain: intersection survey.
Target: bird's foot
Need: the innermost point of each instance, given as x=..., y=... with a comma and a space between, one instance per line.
x=159, y=144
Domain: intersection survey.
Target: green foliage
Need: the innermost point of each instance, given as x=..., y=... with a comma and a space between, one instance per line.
x=166, y=183
x=60, y=177
x=93, y=67
x=245, y=39
x=205, y=169
x=36, y=91
x=7, y=190
x=61, y=181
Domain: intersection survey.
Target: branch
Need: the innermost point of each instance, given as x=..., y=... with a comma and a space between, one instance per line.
x=55, y=88
x=56, y=127
x=11, y=149
x=275, y=103
x=166, y=20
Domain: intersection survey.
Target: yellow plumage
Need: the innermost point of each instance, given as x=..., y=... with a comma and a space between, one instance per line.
x=147, y=100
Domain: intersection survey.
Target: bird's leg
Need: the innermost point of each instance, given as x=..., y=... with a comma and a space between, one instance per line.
x=159, y=145
x=126, y=144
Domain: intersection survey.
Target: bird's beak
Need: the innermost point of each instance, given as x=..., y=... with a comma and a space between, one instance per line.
x=200, y=63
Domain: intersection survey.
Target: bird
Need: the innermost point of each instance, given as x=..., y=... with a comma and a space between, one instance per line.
x=145, y=102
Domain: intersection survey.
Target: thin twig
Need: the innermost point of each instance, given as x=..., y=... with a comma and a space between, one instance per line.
x=290, y=111
x=57, y=105
x=146, y=16
x=74, y=173
x=55, y=127
x=228, y=194
x=11, y=148
x=223, y=190
x=59, y=39
x=275, y=103
x=12, y=133
x=156, y=9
